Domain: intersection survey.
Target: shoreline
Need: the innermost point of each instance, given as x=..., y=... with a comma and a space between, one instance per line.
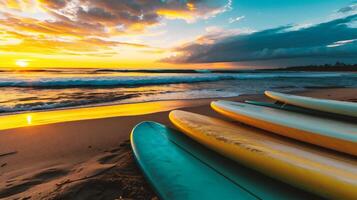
x=130, y=103
x=25, y=118
x=82, y=158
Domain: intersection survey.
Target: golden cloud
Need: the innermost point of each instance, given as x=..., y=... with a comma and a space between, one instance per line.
x=68, y=26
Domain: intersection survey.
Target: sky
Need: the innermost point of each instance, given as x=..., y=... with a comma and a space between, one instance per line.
x=176, y=33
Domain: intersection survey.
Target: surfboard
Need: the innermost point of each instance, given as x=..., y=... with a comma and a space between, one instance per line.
x=332, y=106
x=333, y=134
x=323, y=172
x=179, y=168
x=282, y=106
x=292, y=108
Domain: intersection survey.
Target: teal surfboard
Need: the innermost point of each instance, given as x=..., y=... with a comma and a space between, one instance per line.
x=180, y=168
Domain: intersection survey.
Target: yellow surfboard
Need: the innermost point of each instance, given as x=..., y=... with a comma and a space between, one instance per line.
x=326, y=105
x=333, y=134
x=325, y=173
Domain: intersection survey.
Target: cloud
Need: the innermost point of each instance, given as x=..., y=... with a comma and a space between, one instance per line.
x=65, y=45
x=342, y=43
x=131, y=14
x=38, y=23
x=237, y=19
x=281, y=42
x=348, y=9
x=54, y=4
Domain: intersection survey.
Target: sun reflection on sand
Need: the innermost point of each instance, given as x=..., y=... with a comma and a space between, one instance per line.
x=75, y=114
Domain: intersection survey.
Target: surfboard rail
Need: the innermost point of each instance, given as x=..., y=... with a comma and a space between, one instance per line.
x=326, y=105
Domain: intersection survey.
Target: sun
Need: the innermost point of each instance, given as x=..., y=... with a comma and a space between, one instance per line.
x=22, y=63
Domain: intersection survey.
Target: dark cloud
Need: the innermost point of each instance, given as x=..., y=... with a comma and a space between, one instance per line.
x=349, y=8
x=54, y=4
x=97, y=14
x=130, y=13
x=108, y=17
x=333, y=38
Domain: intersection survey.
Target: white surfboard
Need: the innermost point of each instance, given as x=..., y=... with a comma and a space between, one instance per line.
x=332, y=106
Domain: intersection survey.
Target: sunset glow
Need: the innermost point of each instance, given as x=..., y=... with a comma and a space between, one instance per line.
x=166, y=34
x=89, y=34
x=88, y=89
x=22, y=63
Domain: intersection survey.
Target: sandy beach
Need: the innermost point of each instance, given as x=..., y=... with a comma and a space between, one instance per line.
x=91, y=158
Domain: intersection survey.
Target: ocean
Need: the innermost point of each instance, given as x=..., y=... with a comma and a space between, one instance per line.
x=60, y=88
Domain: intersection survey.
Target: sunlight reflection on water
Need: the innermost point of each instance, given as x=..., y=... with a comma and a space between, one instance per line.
x=55, y=116
x=29, y=119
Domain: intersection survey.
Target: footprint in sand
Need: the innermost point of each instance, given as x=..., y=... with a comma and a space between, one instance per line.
x=8, y=153
x=23, y=184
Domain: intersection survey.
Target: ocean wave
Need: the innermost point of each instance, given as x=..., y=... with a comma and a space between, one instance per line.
x=114, y=81
x=28, y=92
x=68, y=101
x=168, y=71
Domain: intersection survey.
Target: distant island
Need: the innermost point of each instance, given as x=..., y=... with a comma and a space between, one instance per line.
x=337, y=67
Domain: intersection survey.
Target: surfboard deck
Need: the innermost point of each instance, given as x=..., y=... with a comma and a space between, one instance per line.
x=313, y=169
x=292, y=108
x=283, y=106
x=333, y=134
x=179, y=168
x=332, y=106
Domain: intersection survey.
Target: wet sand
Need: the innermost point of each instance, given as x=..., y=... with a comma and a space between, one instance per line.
x=92, y=158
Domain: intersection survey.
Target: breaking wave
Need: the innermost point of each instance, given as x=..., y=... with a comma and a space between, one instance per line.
x=114, y=81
